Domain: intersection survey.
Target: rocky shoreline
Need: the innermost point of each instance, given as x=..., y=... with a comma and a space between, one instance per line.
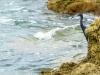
x=91, y=64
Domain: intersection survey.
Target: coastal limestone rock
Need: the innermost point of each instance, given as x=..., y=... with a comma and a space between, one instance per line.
x=73, y=7
x=93, y=33
x=91, y=64
x=46, y=71
x=74, y=69
x=60, y=5
x=66, y=68
x=83, y=7
x=86, y=69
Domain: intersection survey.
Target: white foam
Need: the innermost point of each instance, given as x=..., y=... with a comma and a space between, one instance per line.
x=12, y=2
x=49, y=35
x=46, y=35
x=4, y=19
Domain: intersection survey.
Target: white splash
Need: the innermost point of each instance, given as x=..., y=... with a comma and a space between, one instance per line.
x=12, y=2
x=49, y=35
x=4, y=19
x=46, y=35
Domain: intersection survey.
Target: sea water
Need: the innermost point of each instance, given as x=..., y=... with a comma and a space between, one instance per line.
x=33, y=37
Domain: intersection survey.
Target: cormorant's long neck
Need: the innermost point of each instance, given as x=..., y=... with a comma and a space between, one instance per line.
x=82, y=25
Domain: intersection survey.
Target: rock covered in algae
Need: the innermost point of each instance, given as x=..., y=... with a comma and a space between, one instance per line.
x=86, y=69
x=93, y=33
x=83, y=7
x=73, y=7
x=46, y=71
x=60, y=5
x=74, y=69
x=65, y=68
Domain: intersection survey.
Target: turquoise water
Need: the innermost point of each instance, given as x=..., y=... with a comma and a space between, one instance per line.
x=33, y=37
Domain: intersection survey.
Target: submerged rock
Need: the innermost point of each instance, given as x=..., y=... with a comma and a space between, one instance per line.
x=46, y=71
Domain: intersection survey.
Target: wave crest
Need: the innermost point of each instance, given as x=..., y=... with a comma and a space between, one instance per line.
x=49, y=34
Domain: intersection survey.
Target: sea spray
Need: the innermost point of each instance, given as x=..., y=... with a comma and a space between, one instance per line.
x=49, y=35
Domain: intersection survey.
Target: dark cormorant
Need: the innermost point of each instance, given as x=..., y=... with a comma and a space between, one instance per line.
x=83, y=27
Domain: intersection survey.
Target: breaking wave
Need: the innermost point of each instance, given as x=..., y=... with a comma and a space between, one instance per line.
x=49, y=34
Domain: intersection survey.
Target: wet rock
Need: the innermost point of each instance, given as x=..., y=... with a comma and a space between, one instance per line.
x=73, y=7
x=93, y=33
x=86, y=69
x=46, y=71
x=60, y=5
x=66, y=68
